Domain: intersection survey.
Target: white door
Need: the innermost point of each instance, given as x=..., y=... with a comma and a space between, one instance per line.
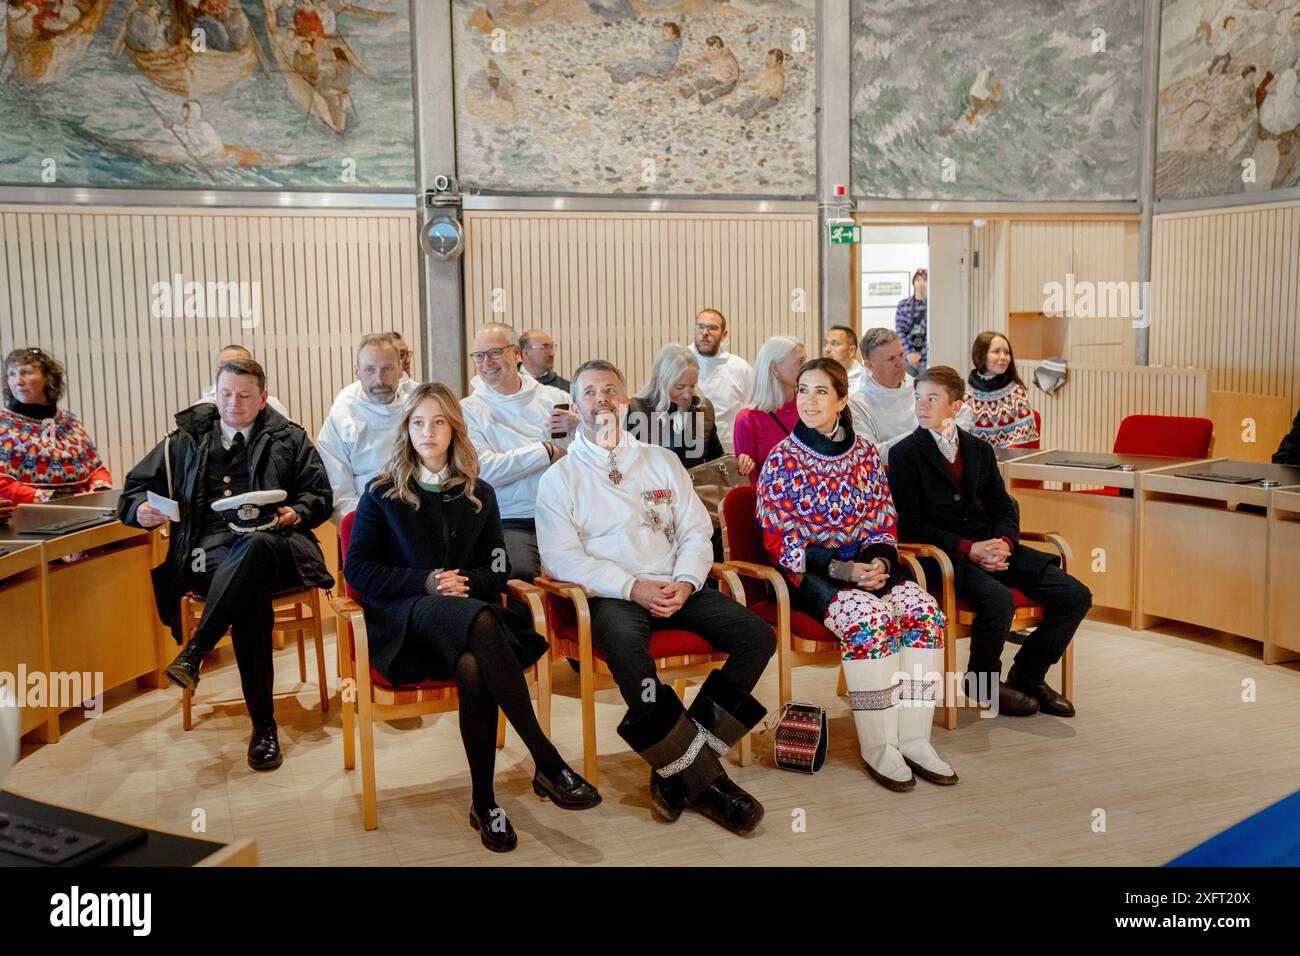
x=949, y=312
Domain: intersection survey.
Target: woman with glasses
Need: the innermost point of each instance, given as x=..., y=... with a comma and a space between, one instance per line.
x=45, y=451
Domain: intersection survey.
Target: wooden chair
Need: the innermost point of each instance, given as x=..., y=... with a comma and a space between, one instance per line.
x=295, y=611
x=678, y=655
x=960, y=617
x=368, y=698
x=800, y=638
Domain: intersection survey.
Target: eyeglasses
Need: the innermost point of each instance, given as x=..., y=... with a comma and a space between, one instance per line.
x=479, y=357
x=701, y=327
x=549, y=347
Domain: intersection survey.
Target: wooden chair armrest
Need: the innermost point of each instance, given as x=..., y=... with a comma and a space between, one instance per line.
x=909, y=551
x=1055, y=540
x=531, y=595
x=729, y=579
x=564, y=589
x=912, y=562
x=759, y=572
x=342, y=605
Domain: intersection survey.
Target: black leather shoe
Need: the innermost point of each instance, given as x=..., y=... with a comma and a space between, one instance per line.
x=184, y=671
x=1014, y=702
x=729, y=806
x=495, y=831
x=1049, y=701
x=264, y=747
x=568, y=790
x=666, y=797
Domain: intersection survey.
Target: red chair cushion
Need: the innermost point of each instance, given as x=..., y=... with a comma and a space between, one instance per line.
x=666, y=643
x=801, y=625
x=1021, y=601
x=345, y=535
x=378, y=680
x=1169, y=436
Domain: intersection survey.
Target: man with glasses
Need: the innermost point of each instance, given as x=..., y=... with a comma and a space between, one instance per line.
x=357, y=437
x=519, y=427
x=538, y=350
x=724, y=378
x=403, y=355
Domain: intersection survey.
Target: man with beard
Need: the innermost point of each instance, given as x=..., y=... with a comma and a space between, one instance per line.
x=724, y=378
x=622, y=519
x=357, y=437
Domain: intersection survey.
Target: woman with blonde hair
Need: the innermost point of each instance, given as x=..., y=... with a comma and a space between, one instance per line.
x=671, y=412
x=769, y=412
x=428, y=555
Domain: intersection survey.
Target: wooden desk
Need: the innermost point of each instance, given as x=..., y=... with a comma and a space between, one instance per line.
x=25, y=645
x=102, y=614
x=1190, y=526
x=1007, y=455
x=1283, y=642
x=99, y=615
x=1103, y=530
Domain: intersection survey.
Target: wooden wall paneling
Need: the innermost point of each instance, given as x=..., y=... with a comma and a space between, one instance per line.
x=621, y=285
x=80, y=284
x=1226, y=298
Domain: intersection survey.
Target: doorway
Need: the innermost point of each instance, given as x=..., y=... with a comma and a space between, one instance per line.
x=889, y=258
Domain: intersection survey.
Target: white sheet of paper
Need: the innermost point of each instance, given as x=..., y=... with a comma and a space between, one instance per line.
x=168, y=506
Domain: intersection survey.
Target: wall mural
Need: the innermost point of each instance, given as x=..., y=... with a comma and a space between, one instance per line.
x=1229, y=119
x=692, y=97
x=294, y=94
x=968, y=101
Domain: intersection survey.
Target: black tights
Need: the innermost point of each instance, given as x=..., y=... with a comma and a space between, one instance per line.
x=487, y=677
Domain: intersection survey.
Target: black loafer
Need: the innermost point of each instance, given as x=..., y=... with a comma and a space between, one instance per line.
x=666, y=797
x=728, y=805
x=184, y=671
x=1049, y=701
x=568, y=790
x=495, y=831
x=264, y=747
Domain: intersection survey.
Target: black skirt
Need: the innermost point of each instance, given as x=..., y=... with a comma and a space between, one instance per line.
x=437, y=633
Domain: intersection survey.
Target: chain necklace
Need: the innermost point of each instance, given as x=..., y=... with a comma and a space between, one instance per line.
x=615, y=475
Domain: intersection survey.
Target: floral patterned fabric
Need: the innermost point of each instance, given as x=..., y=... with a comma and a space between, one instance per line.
x=871, y=628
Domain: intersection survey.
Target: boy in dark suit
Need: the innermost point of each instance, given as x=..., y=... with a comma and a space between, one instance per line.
x=948, y=493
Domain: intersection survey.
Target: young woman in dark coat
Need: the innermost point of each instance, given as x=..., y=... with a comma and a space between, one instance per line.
x=428, y=556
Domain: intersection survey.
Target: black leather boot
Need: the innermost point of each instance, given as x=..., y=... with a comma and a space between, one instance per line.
x=669, y=741
x=726, y=713
x=727, y=804
x=264, y=747
x=666, y=797
x=184, y=671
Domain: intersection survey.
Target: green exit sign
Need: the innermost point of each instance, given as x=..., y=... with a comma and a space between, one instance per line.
x=845, y=235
